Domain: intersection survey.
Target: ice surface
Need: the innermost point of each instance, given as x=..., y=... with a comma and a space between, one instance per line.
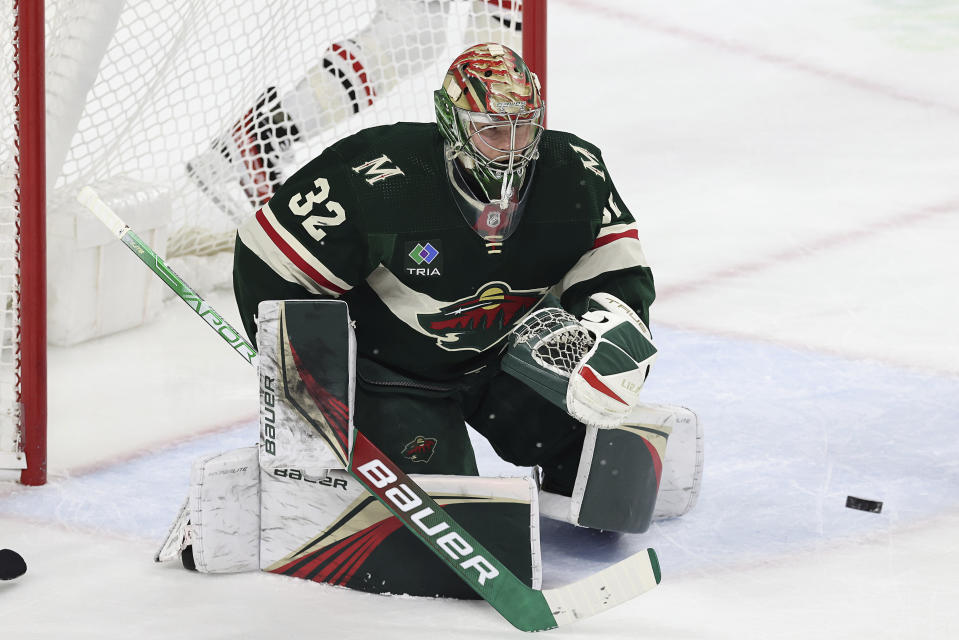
x=793, y=167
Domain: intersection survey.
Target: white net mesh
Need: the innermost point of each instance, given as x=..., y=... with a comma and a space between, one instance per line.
x=214, y=103
x=9, y=256
x=242, y=91
x=556, y=340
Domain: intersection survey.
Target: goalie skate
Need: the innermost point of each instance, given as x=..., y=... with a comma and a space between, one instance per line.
x=240, y=171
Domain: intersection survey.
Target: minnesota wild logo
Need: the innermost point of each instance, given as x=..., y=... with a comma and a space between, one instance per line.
x=480, y=321
x=420, y=449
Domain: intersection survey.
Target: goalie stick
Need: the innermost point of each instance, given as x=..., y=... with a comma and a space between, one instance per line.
x=525, y=608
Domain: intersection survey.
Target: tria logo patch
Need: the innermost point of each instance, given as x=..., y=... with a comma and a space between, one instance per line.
x=424, y=259
x=420, y=449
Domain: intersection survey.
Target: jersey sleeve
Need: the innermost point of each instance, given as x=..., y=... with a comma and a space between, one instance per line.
x=307, y=242
x=615, y=263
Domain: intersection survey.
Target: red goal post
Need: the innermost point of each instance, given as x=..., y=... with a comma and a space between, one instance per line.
x=136, y=93
x=23, y=396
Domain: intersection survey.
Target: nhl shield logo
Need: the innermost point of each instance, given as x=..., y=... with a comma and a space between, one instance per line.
x=420, y=449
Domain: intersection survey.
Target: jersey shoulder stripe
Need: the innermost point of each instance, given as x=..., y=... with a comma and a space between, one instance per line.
x=615, y=232
x=278, y=248
x=615, y=251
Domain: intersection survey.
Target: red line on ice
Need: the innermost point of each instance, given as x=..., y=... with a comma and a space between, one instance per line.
x=749, y=51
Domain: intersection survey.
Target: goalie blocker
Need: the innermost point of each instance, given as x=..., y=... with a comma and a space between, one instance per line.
x=288, y=506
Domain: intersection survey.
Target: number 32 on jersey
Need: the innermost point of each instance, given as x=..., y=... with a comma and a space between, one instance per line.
x=303, y=204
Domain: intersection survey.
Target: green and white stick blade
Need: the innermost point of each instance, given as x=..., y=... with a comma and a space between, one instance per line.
x=604, y=590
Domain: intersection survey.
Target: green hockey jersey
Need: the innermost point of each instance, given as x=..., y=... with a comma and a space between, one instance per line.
x=373, y=220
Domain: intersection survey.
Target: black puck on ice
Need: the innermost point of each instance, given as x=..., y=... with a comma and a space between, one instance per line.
x=11, y=565
x=872, y=506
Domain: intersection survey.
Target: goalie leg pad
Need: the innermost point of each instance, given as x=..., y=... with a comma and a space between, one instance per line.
x=616, y=483
x=683, y=465
x=220, y=521
x=325, y=527
x=328, y=528
x=225, y=511
x=623, y=480
x=307, y=369
x=628, y=476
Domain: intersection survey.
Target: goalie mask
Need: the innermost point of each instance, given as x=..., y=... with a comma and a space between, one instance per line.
x=491, y=115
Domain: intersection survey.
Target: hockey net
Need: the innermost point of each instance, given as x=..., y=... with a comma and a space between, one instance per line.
x=189, y=112
x=190, y=92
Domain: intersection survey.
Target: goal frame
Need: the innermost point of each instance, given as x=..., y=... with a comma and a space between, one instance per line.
x=30, y=205
x=31, y=243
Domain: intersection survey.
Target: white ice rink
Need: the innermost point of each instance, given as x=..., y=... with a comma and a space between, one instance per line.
x=794, y=167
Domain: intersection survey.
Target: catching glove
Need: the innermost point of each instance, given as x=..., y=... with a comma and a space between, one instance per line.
x=605, y=384
x=592, y=368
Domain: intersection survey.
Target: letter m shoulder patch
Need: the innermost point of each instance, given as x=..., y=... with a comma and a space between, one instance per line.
x=590, y=161
x=378, y=169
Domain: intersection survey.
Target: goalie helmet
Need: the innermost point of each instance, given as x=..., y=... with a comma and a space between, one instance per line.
x=490, y=113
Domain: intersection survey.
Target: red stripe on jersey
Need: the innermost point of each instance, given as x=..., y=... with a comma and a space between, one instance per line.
x=293, y=256
x=595, y=383
x=631, y=233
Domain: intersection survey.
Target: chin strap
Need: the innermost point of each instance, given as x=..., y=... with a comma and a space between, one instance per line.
x=458, y=151
x=506, y=192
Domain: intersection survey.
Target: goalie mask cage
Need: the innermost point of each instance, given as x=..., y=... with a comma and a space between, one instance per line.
x=137, y=90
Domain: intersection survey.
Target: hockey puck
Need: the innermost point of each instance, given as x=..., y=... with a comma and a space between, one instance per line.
x=872, y=506
x=11, y=565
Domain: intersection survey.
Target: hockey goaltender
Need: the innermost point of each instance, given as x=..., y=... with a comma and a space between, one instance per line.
x=493, y=276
